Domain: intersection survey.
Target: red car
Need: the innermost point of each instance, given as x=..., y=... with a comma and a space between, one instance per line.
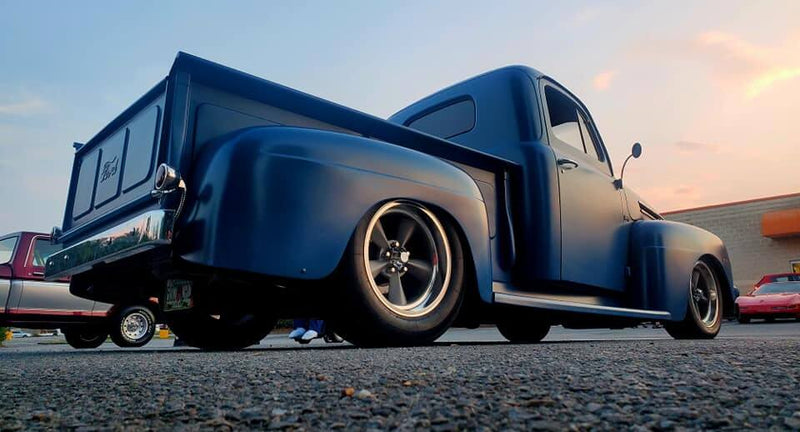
x=27, y=301
x=777, y=277
x=770, y=301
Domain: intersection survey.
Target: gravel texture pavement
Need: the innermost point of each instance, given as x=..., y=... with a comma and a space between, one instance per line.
x=607, y=385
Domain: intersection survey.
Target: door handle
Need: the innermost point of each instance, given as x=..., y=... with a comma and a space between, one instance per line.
x=38, y=273
x=567, y=164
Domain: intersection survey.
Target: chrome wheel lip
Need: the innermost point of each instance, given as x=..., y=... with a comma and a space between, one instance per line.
x=135, y=326
x=704, y=296
x=430, y=298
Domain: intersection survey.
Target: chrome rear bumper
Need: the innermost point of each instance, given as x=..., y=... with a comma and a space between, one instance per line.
x=134, y=236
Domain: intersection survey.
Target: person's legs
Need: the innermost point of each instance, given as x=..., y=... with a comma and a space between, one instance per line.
x=300, y=328
x=314, y=331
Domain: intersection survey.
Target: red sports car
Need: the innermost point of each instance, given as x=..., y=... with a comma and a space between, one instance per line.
x=770, y=301
x=777, y=277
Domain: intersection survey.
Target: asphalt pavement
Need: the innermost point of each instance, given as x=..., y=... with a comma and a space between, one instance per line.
x=635, y=379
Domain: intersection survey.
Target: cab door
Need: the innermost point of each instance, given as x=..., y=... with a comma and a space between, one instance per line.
x=594, y=242
x=49, y=298
x=7, y=247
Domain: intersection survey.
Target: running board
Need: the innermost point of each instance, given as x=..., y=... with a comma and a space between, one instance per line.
x=568, y=306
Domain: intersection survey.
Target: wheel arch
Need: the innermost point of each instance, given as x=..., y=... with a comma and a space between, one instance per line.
x=727, y=294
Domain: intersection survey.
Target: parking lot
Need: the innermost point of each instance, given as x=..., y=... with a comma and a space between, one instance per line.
x=632, y=379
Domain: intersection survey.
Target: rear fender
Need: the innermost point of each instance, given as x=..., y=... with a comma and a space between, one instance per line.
x=663, y=254
x=284, y=202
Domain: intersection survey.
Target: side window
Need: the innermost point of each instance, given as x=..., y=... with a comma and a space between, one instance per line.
x=446, y=122
x=7, y=249
x=42, y=248
x=588, y=142
x=569, y=124
x=564, y=118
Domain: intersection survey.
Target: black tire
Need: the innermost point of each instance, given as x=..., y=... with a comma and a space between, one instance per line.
x=85, y=337
x=133, y=326
x=520, y=327
x=769, y=319
x=704, y=306
x=743, y=319
x=227, y=331
x=225, y=316
x=424, y=310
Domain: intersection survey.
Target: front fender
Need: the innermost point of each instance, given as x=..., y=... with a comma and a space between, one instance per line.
x=663, y=254
x=284, y=202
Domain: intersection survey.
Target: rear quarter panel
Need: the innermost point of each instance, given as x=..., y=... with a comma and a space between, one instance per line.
x=284, y=202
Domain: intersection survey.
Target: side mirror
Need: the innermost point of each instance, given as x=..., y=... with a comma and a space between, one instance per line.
x=636, y=151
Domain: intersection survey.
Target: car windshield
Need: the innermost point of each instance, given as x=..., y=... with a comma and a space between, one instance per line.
x=786, y=278
x=779, y=288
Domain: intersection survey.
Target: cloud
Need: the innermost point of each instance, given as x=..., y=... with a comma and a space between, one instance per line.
x=668, y=198
x=693, y=147
x=766, y=80
x=26, y=107
x=602, y=80
x=742, y=65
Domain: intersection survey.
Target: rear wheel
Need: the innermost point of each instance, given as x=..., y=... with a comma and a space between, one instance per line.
x=218, y=323
x=85, y=337
x=133, y=326
x=704, y=310
x=403, y=278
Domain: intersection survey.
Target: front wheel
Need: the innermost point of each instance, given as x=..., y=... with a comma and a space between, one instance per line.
x=403, y=276
x=704, y=310
x=520, y=327
x=133, y=326
x=85, y=337
x=743, y=319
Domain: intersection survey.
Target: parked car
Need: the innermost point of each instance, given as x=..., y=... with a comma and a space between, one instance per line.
x=28, y=301
x=17, y=333
x=771, y=300
x=777, y=277
x=238, y=201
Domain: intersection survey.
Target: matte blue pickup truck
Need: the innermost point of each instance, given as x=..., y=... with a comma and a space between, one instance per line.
x=237, y=201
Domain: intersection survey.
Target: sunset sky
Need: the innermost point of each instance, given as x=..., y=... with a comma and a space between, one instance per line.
x=711, y=89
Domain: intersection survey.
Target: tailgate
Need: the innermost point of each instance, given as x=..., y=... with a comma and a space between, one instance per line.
x=115, y=169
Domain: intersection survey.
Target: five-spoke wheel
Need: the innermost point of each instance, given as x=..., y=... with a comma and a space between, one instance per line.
x=408, y=257
x=704, y=311
x=403, y=277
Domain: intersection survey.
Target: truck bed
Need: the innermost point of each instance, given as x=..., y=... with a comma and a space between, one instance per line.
x=199, y=101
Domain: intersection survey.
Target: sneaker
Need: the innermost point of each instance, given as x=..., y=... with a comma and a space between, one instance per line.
x=332, y=337
x=309, y=335
x=297, y=333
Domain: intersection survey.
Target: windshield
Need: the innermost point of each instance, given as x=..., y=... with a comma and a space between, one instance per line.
x=779, y=288
x=7, y=249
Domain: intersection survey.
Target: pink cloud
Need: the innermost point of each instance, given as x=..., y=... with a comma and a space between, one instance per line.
x=603, y=80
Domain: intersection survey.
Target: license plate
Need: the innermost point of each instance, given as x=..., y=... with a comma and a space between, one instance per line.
x=178, y=295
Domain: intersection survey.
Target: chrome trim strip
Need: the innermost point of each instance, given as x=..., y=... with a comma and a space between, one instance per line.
x=568, y=306
x=144, y=232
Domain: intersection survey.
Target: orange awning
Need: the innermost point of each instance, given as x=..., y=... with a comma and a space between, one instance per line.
x=781, y=223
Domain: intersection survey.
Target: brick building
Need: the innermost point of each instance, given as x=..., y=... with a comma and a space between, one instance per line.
x=762, y=235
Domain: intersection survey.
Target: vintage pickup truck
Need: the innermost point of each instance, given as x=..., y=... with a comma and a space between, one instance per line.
x=237, y=200
x=26, y=300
